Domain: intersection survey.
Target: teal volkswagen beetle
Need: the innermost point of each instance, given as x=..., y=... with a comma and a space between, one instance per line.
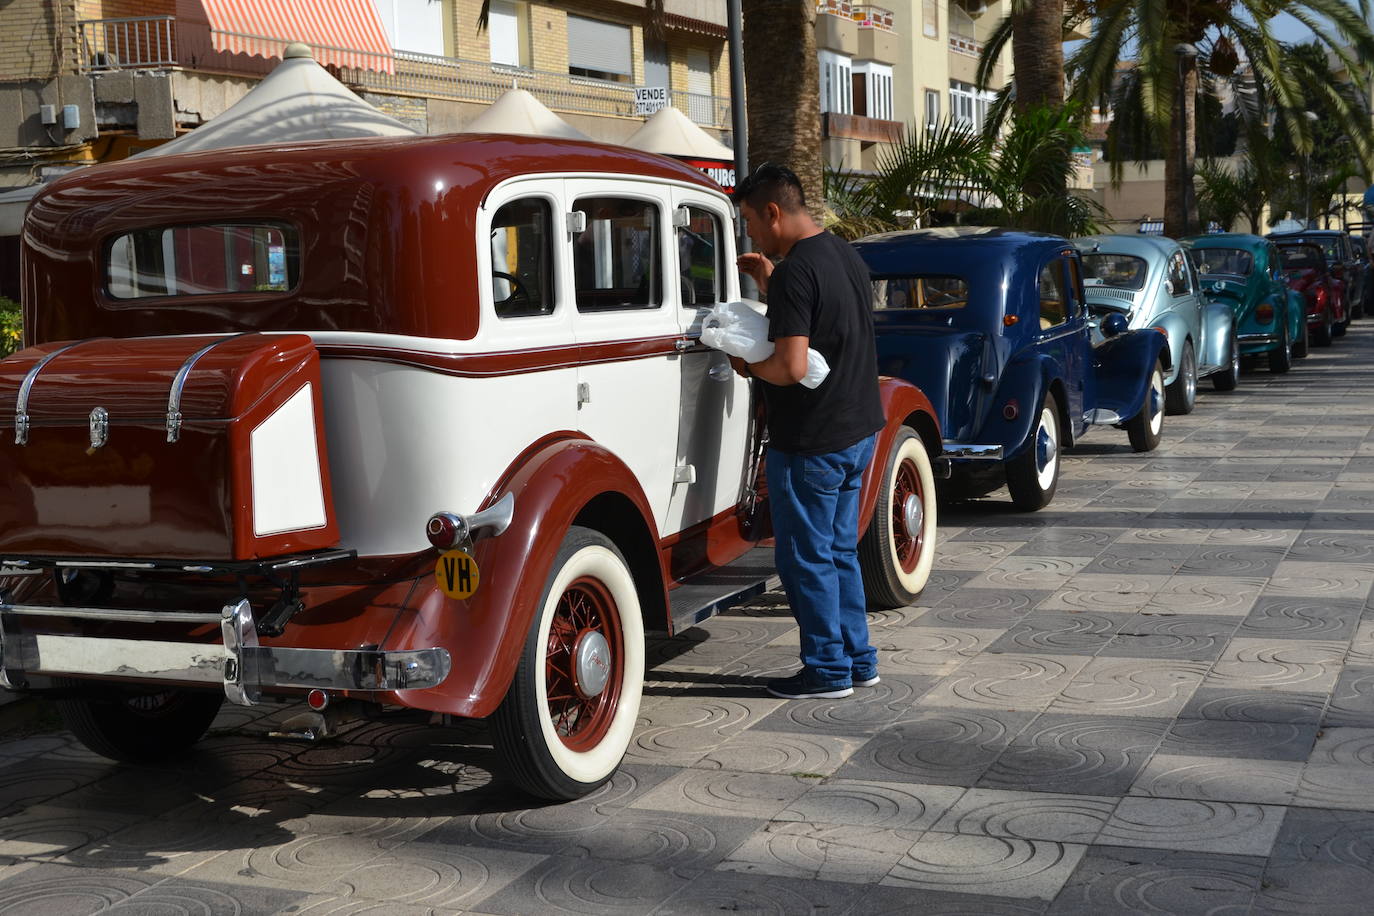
x=1246, y=273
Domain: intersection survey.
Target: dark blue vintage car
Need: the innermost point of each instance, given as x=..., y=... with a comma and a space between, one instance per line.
x=992, y=325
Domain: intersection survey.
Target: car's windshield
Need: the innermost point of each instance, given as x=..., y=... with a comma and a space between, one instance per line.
x=1234, y=262
x=1121, y=271
x=920, y=292
x=1300, y=257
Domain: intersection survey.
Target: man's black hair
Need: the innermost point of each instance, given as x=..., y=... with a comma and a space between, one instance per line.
x=776, y=184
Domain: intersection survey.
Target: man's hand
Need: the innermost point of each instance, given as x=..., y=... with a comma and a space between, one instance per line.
x=756, y=266
x=740, y=366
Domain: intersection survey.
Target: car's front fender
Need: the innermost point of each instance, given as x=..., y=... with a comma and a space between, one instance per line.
x=1123, y=365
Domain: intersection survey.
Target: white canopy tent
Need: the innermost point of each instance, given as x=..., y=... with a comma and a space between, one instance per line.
x=519, y=112
x=672, y=133
x=297, y=101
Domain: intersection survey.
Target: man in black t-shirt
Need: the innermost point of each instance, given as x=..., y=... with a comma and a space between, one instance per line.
x=820, y=440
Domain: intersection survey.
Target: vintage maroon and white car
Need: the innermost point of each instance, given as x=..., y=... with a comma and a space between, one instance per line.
x=417, y=422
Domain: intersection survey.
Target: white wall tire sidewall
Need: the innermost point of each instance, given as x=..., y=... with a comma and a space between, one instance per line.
x=1156, y=422
x=596, y=764
x=1047, y=421
x=915, y=580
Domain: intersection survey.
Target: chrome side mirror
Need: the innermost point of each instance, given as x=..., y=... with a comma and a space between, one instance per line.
x=1114, y=324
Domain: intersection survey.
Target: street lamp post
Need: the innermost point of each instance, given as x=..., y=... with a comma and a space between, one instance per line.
x=1187, y=54
x=1307, y=174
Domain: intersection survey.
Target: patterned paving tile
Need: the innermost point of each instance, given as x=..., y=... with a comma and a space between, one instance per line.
x=1076, y=754
x=1287, y=664
x=859, y=803
x=1198, y=825
x=1023, y=682
x=831, y=852
x=1194, y=637
x=1130, y=687
x=1028, y=815
x=997, y=866
x=943, y=746
x=1226, y=779
x=1119, y=881
x=1266, y=740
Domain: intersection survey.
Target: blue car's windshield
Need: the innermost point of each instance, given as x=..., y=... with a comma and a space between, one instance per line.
x=919, y=292
x=1121, y=271
x=1233, y=262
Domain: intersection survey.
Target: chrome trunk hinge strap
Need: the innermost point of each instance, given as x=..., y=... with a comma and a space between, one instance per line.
x=21, y=406
x=179, y=383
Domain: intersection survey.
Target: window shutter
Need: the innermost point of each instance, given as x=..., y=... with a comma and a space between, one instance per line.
x=503, y=25
x=597, y=45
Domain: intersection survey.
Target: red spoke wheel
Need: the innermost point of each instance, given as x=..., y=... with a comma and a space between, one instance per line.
x=584, y=664
x=570, y=711
x=898, y=548
x=907, y=543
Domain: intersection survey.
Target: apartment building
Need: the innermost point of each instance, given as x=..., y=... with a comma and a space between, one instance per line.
x=913, y=64
x=93, y=80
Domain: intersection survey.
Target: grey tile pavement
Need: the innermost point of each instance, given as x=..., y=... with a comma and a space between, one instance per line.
x=1154, y=696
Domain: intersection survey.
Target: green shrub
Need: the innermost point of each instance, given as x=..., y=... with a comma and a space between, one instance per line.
x=11, y=326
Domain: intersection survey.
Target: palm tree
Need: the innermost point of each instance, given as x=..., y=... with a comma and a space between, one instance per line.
x=783, y=87
x=1173, y=38
x=1037, y=53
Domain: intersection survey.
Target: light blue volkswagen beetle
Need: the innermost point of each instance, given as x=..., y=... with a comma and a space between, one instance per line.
x=1151, y=281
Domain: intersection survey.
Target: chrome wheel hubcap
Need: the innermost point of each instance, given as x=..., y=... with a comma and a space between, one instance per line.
x=913, y=515
x=592, y=657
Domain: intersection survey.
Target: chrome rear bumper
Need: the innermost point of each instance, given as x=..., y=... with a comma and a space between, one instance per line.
x=239, y=664
x=958, y=451
x=1257, y=338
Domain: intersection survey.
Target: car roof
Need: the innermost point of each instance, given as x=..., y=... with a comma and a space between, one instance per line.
x=957, y=249
x=1223, y=240
x=1122, y=243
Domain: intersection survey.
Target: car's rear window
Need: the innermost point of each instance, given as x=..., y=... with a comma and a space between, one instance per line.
x=920, y=292
x=1233, y=262
x=1300, y=257
x=205, y=259
x=1120, y=271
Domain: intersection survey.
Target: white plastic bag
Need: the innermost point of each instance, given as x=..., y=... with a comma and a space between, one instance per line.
x=741, y=329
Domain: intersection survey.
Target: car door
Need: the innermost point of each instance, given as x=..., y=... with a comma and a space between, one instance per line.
x=714, y=433
x=1063, y=335
x=626, y=326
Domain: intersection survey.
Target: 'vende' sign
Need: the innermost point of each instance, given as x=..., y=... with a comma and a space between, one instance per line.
x=649, y=99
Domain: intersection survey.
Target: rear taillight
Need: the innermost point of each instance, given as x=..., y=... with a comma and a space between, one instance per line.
x=1321, y=295
x=1264, y=314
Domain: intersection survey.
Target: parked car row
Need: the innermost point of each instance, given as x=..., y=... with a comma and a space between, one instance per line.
x=1024, y=342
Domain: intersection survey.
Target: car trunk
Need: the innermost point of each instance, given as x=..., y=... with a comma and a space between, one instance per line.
x=180, y=448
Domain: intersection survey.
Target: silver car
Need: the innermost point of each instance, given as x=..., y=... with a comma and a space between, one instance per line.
x=1151, y=281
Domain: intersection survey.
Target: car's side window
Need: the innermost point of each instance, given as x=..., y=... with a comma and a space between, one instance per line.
x=1052, y=300
x=698, y=253
x=522, y=281
x=1178, y=274
x=1076, y=297
x=616, y=255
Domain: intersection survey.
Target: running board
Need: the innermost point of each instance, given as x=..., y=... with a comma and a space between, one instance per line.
x=702, y=597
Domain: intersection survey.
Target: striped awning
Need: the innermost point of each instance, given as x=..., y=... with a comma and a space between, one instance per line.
x=345, y=33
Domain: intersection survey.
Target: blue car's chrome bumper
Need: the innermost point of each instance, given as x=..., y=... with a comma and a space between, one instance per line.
x=1257, y=338
x=958, y=451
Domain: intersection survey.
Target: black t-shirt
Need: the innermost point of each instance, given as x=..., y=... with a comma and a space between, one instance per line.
x=821, y=291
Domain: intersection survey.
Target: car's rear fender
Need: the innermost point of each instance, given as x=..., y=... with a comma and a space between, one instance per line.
x=1218, y=325
x=1014, y=408
x=946, y=365
x=1123, y=365
x=565, y=481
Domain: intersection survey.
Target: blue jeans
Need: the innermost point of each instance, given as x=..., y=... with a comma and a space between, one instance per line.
x=814, y=500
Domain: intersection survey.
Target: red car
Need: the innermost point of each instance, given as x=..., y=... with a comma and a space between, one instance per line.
x=1307, y=271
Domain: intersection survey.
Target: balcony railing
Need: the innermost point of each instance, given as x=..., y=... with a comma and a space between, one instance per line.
x=842, y=8
x=872, y=17
x=965, y=36
x=125, y=44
